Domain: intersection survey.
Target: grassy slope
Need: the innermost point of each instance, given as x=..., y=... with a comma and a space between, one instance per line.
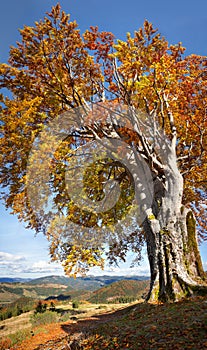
x=178, y=326
x=16, y=329
x=125, y=288
x=12, y=291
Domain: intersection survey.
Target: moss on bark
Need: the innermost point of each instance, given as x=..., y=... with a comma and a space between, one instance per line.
x=192, y=244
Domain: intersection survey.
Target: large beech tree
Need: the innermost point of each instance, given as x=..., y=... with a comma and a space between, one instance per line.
x=141, y=93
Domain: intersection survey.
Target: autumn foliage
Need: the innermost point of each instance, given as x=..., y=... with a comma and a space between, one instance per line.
x=55, y=69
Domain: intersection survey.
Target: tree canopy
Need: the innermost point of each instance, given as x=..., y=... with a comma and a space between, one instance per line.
x=95, y=84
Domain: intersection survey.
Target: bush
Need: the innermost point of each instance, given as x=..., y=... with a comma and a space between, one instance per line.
x=75, y=304
x=44, y=318
x=9, y=314
x=40, y=308
x=18, y=337
x=101, y=307
x=5, y=343
x=52, y=306
x=65, y=317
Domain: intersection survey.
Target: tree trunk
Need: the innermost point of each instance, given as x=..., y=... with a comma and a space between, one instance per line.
x=174, y=258
x=175, y=263
x=169, y=227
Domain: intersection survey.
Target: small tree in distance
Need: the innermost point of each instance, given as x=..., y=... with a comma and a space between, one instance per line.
x=52, y=306
x=40, y=307
x=75, y=304
x=132, y=114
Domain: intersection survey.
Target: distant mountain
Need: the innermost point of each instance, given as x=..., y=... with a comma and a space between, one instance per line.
x=120, y=291
x=73, y=282
x=79, y=283
x=51, y=280
x=111, y=279
x=41, y=288
x=14, y=280
x=88, y=282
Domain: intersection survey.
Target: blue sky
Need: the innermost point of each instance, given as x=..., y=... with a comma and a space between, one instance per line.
x=22, y=254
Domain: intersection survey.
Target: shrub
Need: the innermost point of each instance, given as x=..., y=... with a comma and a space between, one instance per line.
x=40, y=308
x=19, y=336
x=9, y=315
x=65, y=317
x=101, y=307
x=52, y=306
x=75, y=304
x=44, y=318
x=5, y=343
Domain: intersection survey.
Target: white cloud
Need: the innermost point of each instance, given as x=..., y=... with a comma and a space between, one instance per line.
x=142, y=270
x=19, y=266
x=43, y=266
x=138, y=270
x=7, y=257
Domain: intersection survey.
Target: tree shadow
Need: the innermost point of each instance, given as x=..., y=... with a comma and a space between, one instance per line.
x=81, y=329
x=90, y=323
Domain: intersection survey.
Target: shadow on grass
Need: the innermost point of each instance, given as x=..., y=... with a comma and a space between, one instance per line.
x=181, y=325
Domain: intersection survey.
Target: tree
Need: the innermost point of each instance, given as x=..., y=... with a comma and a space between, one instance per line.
x=52, y=306
x=40, y=307
x=141, y=105
x=75, y=304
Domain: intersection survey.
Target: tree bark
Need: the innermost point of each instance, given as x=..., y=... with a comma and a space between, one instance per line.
x=174, y=258
x=175, y=263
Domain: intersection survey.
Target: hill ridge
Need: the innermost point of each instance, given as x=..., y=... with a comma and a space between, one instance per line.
x=48, y=286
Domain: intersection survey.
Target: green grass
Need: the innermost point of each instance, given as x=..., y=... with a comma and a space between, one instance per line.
x=19, y=336
x=16, y=308
x=176, y=326
x=46, y=317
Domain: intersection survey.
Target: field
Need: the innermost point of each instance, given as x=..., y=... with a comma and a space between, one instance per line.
x=20, y=327
x=96, y=320
x=177, y=326
x=15, y=324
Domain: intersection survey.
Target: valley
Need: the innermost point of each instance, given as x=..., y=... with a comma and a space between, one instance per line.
x=81, y=287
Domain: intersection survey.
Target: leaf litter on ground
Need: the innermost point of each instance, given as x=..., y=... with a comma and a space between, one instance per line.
x=175, y=326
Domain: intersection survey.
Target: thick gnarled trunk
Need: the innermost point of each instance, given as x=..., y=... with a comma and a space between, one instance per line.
x=174, y=258
x=175, y=263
